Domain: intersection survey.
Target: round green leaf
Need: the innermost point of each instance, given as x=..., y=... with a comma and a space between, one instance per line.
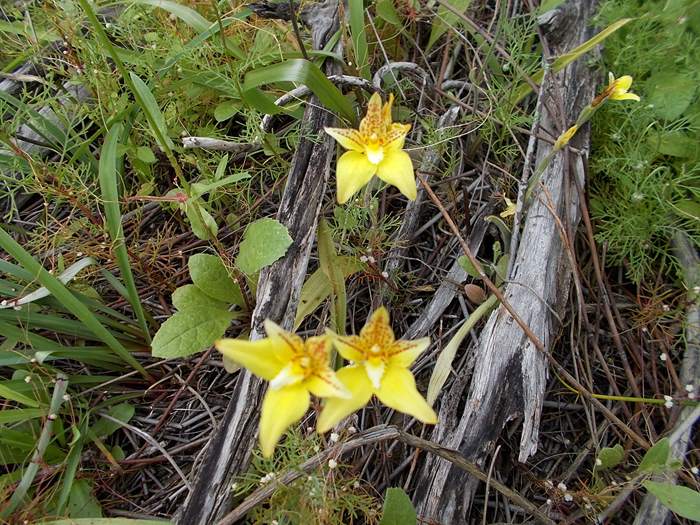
x=265, y=241
x=190, y=331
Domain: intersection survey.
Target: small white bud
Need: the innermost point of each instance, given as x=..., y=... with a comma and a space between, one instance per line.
x=79, y=254
x=549, y=501
x=52, y=417
x=28, y=379
x=668, y=404
x=385, y=275
x=356, y=484
x=332, y=464
x=691, y=395
x=334, y=437
x=598, y=462
x=548, y=484
x=363, y=258
x=666, y=308
x=234, y=485
x=689, y=388
x=663, y=356
x=561, y=487
x=668, y=398
x=568, y=497
x=694, y=470
x=352, y=430
x=371, y=259
x=66, y=397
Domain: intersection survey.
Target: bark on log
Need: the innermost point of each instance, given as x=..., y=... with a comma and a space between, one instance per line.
x=510, y=374
x=278, y=291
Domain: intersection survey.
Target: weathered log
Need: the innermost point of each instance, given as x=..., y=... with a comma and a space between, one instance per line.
x=651, y=510
x=510, y=374
x=278, y=292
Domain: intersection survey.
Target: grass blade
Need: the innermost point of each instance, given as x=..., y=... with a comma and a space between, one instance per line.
x=303, y=72
x=359, y=37
x=189, y=16
x=443, y=366
x=32, y=468
x=328, y=260
x=67, y=299
x=108, y=174
x=567, y=58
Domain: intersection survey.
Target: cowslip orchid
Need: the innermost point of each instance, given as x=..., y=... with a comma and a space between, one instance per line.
x=376, y=148
x=379, y=366
x=294, y=368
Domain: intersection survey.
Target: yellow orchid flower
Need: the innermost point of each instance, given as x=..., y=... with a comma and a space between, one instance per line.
x=617, y=89
x=374, y=149
x=565, y=137
x=294, y=368
x=510, y=208
x=379, y=367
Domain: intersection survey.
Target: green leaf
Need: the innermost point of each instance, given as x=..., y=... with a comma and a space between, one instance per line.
x=468, y=267
x=81, y=502
x=359, y=37
x=682, y=500
x=200, y=188
x=445, y=19
x=300, y=71
x=145, y=154
x=610, y=457
x=149, y=105
x=104, y=427
x=398, y=509
x=656, y=457
x=189, y=296
x=387, y=12
x=670, y=93
x=265, y=241
x=674, y=143
x=202, y=223
x=108, y=175
x=328, y=260
x=443, y=365
x=688, y=208
x=20, y=414
x=317, y=287
x=190, y=331
x=189, y=16
x=226, y=109
x=211, y=276
x=7, y=391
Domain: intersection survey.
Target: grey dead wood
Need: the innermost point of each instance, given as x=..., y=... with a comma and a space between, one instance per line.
x=651, y=510
x=509, y=375
x=229, y=451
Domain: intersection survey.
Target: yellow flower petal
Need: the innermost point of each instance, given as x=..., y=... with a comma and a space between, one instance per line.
x=288, y=343
x=327, y=384
x=352, y=173
x=396, y=136
x=404, y=353
x=261, y=357
x=348, y=138
x=280, y=409
x=336, y=409
x=372, y=122
x=374, y=368
x=565, y=137
x=510, y=208
x=397, y=169
x=398, y=391
x=286, y=377
x=377, y=330
x=623, y=83
x=386, y=111
x=349, y=347
x=624, y=96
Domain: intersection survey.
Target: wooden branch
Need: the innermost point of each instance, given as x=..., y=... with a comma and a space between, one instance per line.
x=278, y=292
x=510, y=373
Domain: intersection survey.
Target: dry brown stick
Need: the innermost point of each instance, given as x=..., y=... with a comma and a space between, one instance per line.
x=369, y=437
x=525, y=328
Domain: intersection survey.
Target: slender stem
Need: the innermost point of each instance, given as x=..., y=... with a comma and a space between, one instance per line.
x=295, y=27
